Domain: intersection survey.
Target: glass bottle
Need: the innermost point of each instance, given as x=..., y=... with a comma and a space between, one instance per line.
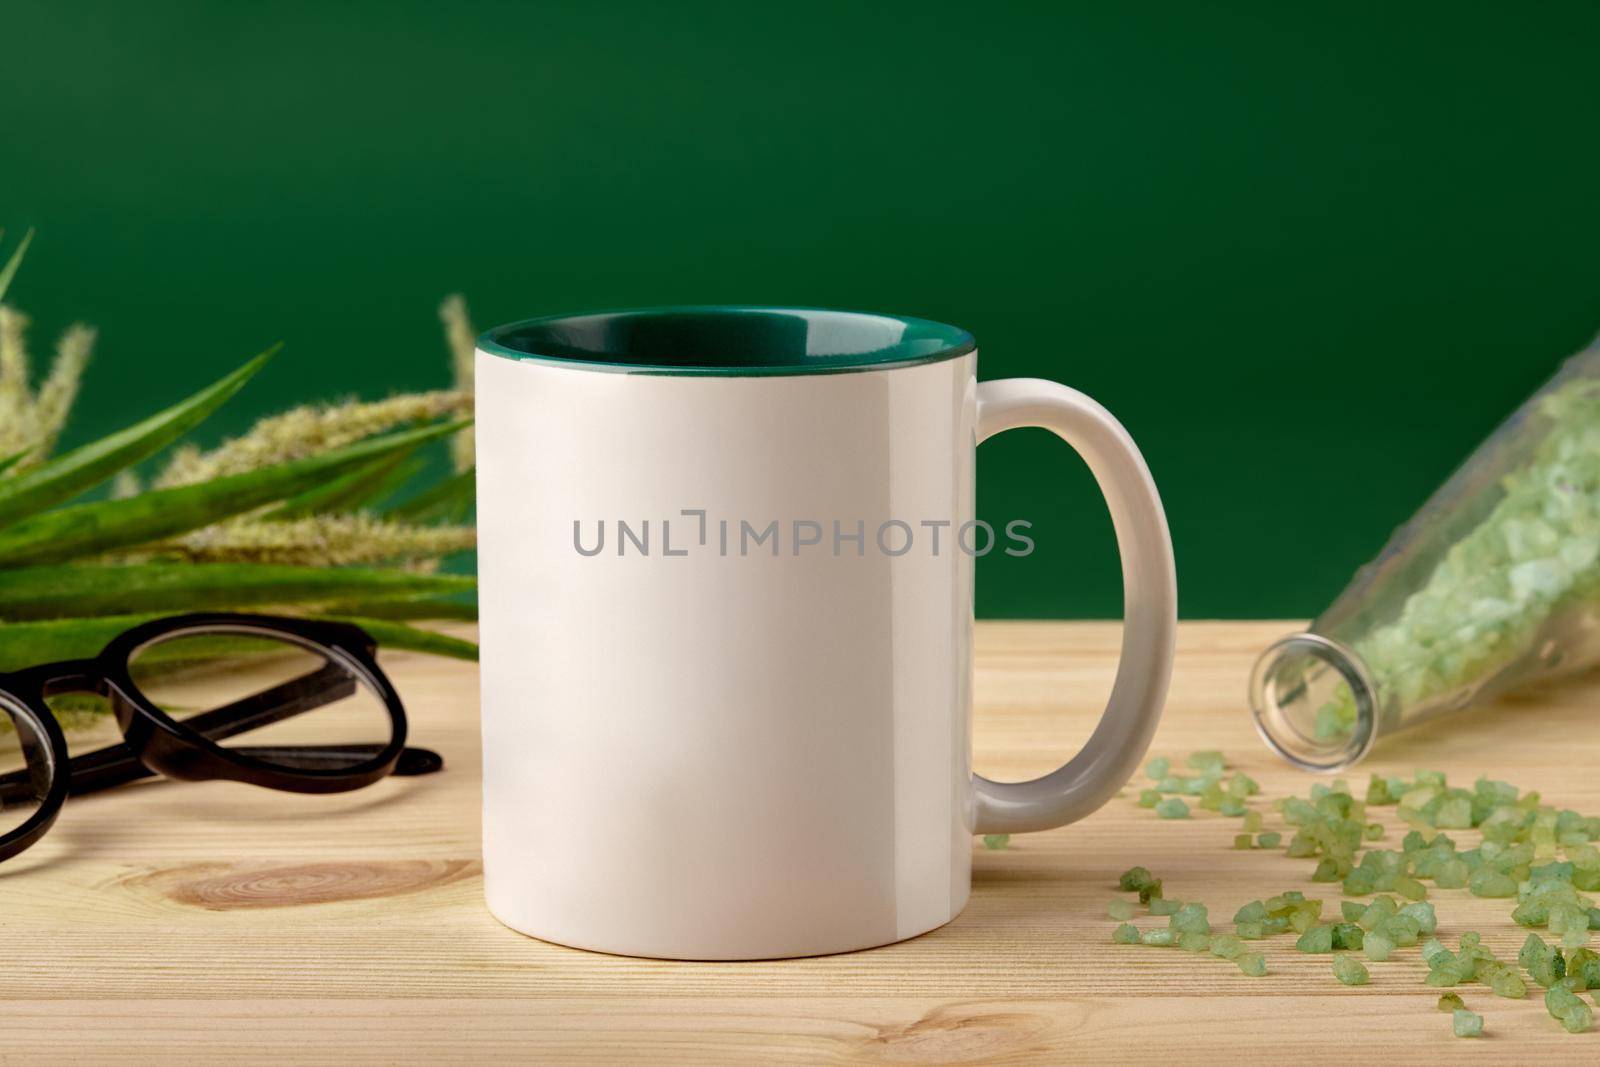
x=1493, y=583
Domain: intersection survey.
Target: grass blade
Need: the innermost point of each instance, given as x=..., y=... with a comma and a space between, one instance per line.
x=86, y=590
x=393, y=635
x=447, y=501
x=27, y=644
x=81, y=530
x=407, y=607
x=24, y=644
x=12, y=460
x=342, y=494
x=84, y=468
x=9, y=271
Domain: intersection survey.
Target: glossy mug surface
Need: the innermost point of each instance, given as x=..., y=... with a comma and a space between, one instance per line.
x=726, y=575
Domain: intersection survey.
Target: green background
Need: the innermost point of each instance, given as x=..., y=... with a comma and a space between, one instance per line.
x=1309, y=254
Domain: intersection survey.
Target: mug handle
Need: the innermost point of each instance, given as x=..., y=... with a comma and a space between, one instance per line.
x=1149, y=608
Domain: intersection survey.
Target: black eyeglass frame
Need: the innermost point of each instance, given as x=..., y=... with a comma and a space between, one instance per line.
x=156, y=743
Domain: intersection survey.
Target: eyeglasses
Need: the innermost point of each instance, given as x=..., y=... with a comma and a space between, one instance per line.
x=181, y=691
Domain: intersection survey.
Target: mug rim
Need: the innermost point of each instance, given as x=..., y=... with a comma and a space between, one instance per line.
x=761, y=342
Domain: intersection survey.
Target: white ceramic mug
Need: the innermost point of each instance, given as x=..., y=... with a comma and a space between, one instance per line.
x=732, y=729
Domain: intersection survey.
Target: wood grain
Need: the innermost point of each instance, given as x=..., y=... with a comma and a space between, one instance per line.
x=217, y=921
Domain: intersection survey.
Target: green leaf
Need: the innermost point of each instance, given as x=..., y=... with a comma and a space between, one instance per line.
x=383, y=490
x=408, y=607
x=83, y=468
x=344, y=493
x=447, y=501
x=398, y=635
x=13, y=459
x=26, y=644
x=9, y=271
x=81, y=530
x=82, y=590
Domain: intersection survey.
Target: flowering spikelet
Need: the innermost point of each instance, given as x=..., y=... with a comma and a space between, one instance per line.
x=307, y=431
x=13, y=359
x=126, y=484
x=462, y=341
x=60, y=389
x=320, y=539
x=31, y=423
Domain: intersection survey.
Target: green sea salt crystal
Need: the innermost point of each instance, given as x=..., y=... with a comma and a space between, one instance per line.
x=1158, y=768
x=1352, y=910
x=1578, y=1018
x=1232, y=808
x=1125, y=934
x=996, y=841
x=1402, y=930
x=1149, y=894
x=1432, y=948
x=1327, y=871
x=1380, y=911
x=1160, y=938
x=1377, y=947
x=1250, y=931
x=1316, y=939
x=1173, y=784
x=1255, y=911
x=1423, y=913
x=1252, y=963
x=1452, y=874
x=1490, y=883
x=1464, y=1023
x=1583, y=965
x=1575, y=937
x=1301, y=846
x=1173, y=808
x=1134, y=879
x=1119, y=909
x=1445, y=976
x=1241, y=785
x=1558, y=999
x=1549, y=969
x=1410, y=888
x=1507, y=983
x=1163, y=906
x=1350, y=971
x=1191, y=917
x=1269, y=839
x=1149, y=798
x=1242, y=841
x=1348, y=936
x=1226, y=946
x=1207, y=762
x=1451, y=1002
x=1193, y=941
x=1454, y=814
x=1252, y=822
x=1302, y=919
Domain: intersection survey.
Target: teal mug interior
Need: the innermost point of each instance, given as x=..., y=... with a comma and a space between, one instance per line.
x=729, y=341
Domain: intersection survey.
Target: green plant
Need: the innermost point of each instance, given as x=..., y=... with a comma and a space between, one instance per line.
x=315, y=511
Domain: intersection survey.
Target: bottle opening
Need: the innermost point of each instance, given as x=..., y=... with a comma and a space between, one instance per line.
x=1314, y=703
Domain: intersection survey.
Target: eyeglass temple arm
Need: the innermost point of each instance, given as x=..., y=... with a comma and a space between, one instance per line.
x=116, y=764
x=125, y=767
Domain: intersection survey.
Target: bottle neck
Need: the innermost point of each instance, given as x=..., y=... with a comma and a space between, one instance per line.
x=1314, y=702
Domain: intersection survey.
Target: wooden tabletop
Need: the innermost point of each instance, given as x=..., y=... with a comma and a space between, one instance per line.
x=223, y=922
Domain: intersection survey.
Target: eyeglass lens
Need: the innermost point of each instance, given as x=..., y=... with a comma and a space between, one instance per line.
x=26, y=766
x=266, y=695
